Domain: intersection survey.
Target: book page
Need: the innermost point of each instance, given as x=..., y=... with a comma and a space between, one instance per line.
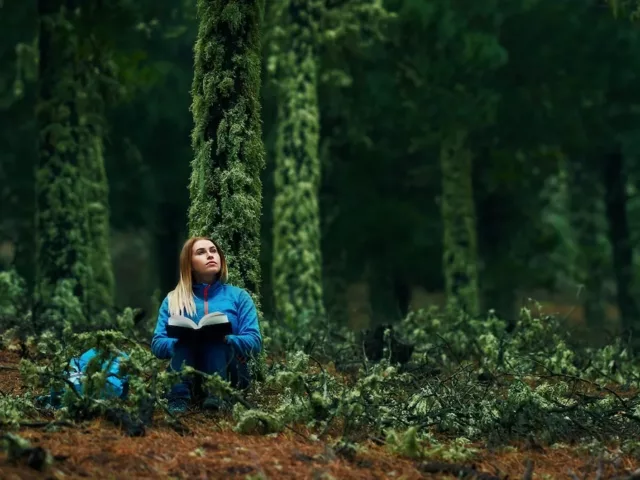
x=214, y=318
x=180, y=321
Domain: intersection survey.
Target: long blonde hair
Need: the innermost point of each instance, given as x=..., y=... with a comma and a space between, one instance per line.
x=181, y=298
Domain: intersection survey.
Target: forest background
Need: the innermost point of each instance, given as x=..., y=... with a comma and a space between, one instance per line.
x=535, y=105
x=360, y=162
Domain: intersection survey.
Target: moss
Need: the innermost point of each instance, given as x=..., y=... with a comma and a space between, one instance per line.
x=225, y=187
x=297, y=258
x=61, y=220
x=102, y=286
x=460, y=262
x=74, y=276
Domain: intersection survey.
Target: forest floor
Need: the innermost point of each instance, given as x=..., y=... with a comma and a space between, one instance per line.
x=97, y=449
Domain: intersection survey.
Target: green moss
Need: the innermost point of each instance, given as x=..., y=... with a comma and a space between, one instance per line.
x=61, y=221
x=74, y=277
x=297, y=259
x=460, y=262
x=225, y=187
x=101, y=288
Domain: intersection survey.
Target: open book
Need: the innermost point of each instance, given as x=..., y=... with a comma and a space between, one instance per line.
x=213, y=326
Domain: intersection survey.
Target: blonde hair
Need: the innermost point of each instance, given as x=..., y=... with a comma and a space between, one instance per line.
x=181, y=298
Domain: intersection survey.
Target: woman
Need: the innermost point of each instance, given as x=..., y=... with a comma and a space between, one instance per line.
x=202, y=289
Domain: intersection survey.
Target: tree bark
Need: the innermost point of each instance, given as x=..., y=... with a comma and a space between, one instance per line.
x=460, y=259
x=616, y=211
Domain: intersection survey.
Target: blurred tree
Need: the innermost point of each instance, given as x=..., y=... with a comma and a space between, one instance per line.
x=77, y=76
x=297, y=260
x=18, y=152
x=305, y=33
x=62, y=254
x=447, y=86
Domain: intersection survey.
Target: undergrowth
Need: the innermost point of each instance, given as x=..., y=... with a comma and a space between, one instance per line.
x=468, y=383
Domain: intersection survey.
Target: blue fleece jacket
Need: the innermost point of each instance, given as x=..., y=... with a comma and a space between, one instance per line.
x=234, y=302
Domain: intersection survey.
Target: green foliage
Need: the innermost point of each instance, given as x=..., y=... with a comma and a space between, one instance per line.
x=13, y=299
x=226, y=190
x=469, y=379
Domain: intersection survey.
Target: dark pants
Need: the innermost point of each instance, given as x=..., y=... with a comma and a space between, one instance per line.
x=208, y=358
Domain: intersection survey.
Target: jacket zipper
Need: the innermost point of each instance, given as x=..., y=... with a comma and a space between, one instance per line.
x=206, y=301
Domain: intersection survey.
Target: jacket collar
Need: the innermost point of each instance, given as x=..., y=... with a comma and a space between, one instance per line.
x=199, y=288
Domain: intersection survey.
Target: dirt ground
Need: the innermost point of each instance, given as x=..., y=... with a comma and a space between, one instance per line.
x=211, y=451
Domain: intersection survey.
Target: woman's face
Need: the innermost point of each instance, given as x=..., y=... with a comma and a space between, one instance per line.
x=205, y=259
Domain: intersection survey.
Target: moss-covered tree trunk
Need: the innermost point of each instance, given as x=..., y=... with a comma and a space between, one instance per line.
x=460, y=263
x=74, y=271
x=585, y=200
x=61, y=220
x=225, y=187
x=297, y=258
x=101, y=291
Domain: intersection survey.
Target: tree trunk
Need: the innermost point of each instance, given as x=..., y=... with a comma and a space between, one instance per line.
x=61, y=219
x=458, y=216
x=101, y=291
x=167, y=234
x=585, y=194
x=497, y=269
x=616, y=211
x=297, y=257
x=225, y=187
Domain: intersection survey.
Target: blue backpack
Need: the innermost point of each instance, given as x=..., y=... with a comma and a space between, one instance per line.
x=116, y=385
